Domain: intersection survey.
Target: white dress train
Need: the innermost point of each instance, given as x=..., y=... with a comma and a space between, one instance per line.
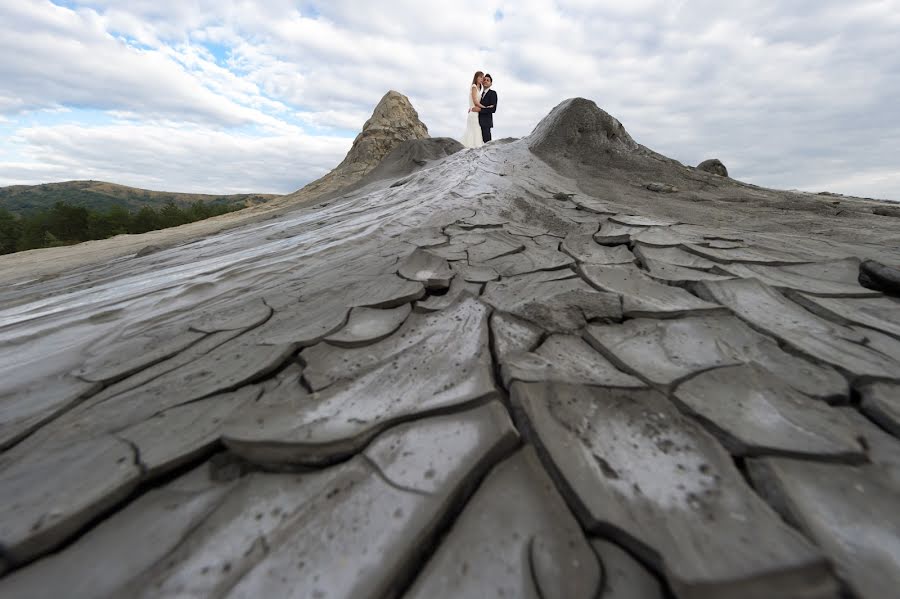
x=472, y=137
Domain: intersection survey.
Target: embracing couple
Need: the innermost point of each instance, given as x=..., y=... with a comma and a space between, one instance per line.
x=482, y=106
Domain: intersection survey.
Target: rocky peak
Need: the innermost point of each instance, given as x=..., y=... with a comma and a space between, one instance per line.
x=393, y=122
x=395, y=112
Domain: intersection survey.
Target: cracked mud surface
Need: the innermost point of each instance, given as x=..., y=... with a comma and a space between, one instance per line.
x=513, y=371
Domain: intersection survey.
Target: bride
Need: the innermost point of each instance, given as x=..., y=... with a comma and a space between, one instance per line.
x=472, y=136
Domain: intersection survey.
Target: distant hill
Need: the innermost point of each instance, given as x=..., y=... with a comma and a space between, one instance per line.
x=101, y=196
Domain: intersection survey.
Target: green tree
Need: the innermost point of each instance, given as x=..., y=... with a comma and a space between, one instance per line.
x=198, y=211
x=171, y=215
x=145, y=220
x=68, y=223
x=50, y=240
x=10, y=231
x=98, y=225
x=33, y=228
x=65, y=224
x=118, y=219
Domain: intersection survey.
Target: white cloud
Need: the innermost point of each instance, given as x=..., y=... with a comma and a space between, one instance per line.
x=169, y=157
x=796, y=95
x=68, y=58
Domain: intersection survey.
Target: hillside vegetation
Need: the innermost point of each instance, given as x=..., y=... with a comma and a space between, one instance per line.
x=102, y=196
x=65, y=224
x=57, y=214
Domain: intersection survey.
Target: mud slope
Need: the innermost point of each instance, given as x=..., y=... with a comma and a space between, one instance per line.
x=516, y=371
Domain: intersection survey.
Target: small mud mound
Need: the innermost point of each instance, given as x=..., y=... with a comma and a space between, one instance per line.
x=577, y=129
x=714, y=166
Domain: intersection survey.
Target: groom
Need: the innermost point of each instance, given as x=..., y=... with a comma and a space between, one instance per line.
x=489, y=101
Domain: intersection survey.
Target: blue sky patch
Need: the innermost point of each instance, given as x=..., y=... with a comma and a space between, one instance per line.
x=220, y=52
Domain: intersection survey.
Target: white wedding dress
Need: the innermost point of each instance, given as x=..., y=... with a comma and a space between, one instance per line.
x=472, y=136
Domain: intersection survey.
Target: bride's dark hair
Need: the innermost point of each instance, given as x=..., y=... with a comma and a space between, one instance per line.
x=475, y=78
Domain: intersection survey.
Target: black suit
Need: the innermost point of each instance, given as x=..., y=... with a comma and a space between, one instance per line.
x=486, y=116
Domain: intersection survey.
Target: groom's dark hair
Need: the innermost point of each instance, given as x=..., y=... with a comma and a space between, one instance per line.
x=488, y=75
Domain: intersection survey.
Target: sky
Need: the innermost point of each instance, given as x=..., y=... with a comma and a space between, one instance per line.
x=235, y=96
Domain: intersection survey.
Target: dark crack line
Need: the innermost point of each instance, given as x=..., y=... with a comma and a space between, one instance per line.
x=100, y=386
x=496, y=363
x=260, y=377
x=7, y=562
x=602, y=588
x=739, y=450
x=618, y=363
x=600, y=593
x=141, y=488
x=793, y=296
x=252, y=399
x=136, y=454
x=304, y=382
x=643, y=553
x=454, y=507
x=852, y=378
x=789, y=348
x=369, y=436
x=532, y=571
x=124, y=375
x=480, y=226
x=49, y=419
x=501, y=255
x=260, y=541
x=362, y=371
x=388, y=481
x=862, y=439
x=174, y=368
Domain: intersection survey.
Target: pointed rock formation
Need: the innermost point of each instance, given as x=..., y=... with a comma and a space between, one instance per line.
x=393, y=122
